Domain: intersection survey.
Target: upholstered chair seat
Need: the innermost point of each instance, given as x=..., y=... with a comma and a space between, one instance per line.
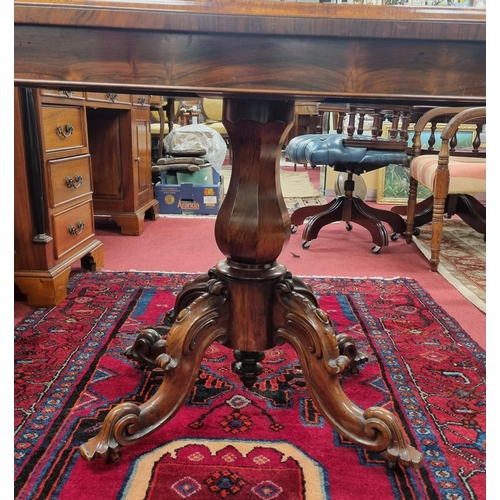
x=330, y=149
x=453, y=176
x=467, y=175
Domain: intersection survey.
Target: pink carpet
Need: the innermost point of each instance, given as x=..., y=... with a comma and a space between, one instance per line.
x=188, y=245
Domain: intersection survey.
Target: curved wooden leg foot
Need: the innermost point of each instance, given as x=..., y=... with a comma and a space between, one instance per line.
x=196, y=327
x=301, y=214
x=307, y=328
x=348, y=348
x=146, y=348
x=332, y=213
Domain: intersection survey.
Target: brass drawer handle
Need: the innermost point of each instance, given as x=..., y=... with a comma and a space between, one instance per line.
x=76, y=183
x=142, y=100
x=68, y=93
x=111, y=96
x=68, y=130
x=73, y=230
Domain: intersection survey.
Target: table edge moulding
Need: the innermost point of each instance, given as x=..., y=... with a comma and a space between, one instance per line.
x=259, y=57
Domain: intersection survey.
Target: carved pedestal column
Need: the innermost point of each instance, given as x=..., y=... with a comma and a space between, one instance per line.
x=250, y=303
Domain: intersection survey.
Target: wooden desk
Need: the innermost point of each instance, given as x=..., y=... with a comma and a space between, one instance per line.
x=260, y=56
x=93, y=157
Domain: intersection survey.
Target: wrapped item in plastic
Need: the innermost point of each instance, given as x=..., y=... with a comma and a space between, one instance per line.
x=198, y=137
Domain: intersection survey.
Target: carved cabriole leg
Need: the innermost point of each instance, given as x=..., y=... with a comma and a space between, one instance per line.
x=189, y=292
x=249, y=302
x=149, y=344
x=345, y=342
x=196, y=327
x=300, y=323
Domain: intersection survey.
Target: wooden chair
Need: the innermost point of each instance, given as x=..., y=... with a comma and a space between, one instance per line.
x=353, y=152
x=454, y=176
x=163, y=114
x=305, y=122
x=168, y=114
x=211, y=110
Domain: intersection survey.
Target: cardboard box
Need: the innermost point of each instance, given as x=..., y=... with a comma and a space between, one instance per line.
x=189, y=198
x=205, y=176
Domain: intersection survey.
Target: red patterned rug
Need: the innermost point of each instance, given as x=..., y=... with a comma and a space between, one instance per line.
x=265, y=443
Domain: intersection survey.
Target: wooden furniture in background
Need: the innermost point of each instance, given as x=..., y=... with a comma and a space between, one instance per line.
x=188, y=112
x=83, y=154
x=260, y=57
x=454, y=176
x=120, y=148
x=53, y=212
x=305, y=120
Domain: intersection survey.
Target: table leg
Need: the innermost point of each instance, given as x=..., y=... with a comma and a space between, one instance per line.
x=249, y=302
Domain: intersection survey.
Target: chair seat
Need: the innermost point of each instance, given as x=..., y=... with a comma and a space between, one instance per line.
x=155, y=128
x=218, y=127
x=467, y=175
x=329, y=149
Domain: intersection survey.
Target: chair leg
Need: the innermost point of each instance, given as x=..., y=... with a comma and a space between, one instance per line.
x=437, y=231
x=301, y=214
x=332, y=214
x=412, y=202
x=367, y=219
x=469, y=210
x=423, y=210
x=395, y=221
x=350, y=210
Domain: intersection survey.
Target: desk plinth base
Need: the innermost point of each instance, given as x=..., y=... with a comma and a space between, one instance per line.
x=249, y=302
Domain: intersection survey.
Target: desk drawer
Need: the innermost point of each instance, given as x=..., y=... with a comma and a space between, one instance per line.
x=69, y=179
x=140, y=100
x=64, y=128
x=62, y=93
x=72, y=227
x=109, y=97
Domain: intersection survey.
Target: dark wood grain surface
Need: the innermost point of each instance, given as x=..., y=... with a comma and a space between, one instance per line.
x=278, y=49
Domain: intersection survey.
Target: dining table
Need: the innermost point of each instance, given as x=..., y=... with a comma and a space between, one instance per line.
x=260, y=57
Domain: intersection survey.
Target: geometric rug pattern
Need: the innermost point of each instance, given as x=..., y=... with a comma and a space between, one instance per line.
x=230, y=442
x=462, y=258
